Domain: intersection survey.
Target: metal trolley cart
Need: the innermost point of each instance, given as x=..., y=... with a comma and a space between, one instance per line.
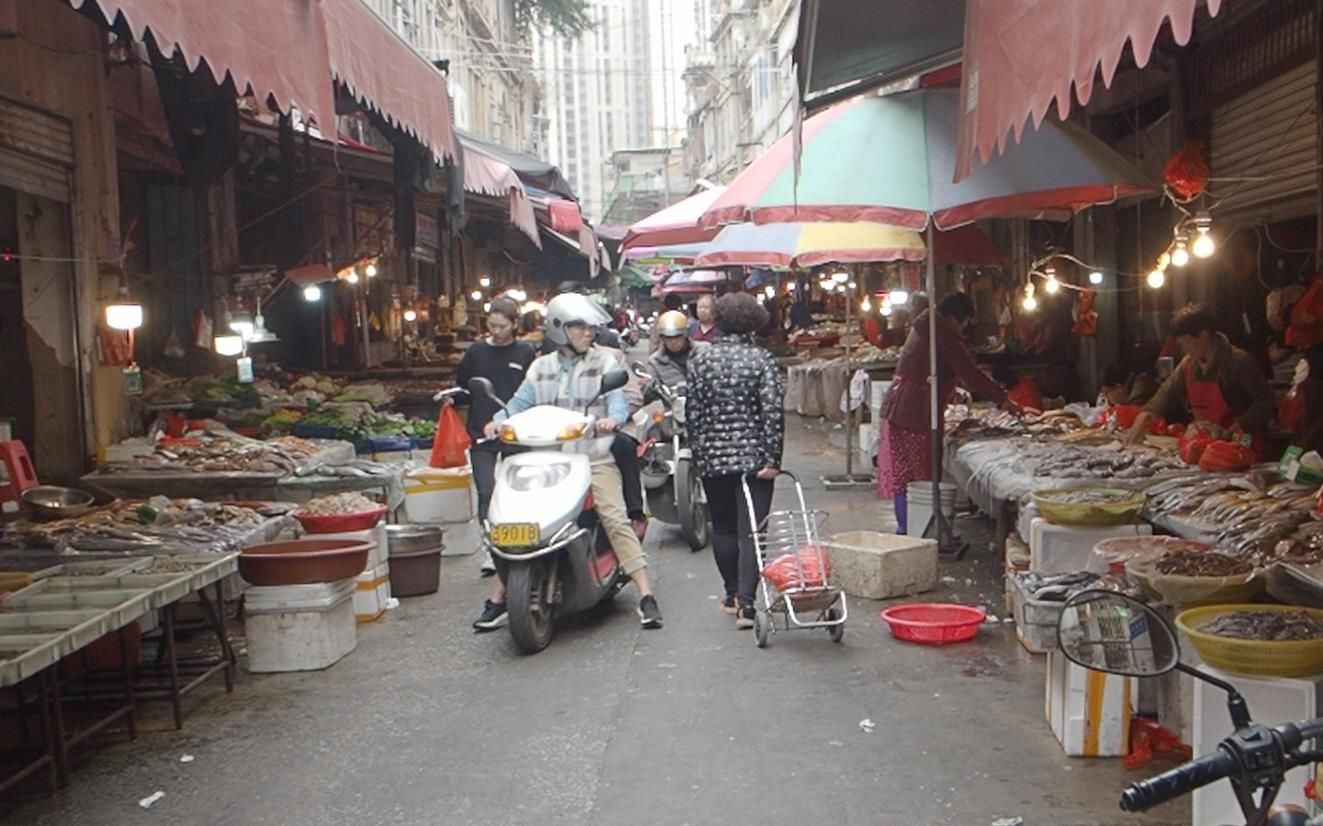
x=810, y=600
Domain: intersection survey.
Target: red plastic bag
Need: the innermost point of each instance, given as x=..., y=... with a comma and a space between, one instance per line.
x=452, y=441
x=784, y=572
x=1306, y=326
x=1186, y=171
x=1123, y=415
x=1025, y=393
x=1225, y=457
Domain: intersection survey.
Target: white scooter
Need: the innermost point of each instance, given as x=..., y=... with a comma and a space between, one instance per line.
x=541, y=522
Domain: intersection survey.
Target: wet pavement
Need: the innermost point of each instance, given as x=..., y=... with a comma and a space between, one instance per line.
x=428, y=723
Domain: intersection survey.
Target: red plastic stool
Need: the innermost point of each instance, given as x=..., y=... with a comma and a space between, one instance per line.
x=18, y=467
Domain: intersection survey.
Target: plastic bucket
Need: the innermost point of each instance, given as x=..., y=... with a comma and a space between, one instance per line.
x=919, y=506
x=415, y=574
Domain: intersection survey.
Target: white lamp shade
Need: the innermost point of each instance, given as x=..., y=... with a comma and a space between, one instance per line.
x=124, y=316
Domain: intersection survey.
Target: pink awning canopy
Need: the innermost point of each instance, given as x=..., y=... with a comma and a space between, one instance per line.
x=384, y=72
x=487, y=175
x=276, y=48
x=1021, y=55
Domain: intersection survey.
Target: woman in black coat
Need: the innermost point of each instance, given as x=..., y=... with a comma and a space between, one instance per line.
x=736, y=420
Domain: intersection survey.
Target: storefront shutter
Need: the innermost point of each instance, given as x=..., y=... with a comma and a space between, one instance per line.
x=36, y=151
x=1264, y=142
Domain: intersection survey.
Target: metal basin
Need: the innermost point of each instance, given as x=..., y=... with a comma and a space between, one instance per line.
x=412, y=539
x=54, y=502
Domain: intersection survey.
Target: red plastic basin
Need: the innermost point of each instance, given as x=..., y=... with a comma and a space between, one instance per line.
x=341, y=522
x=934, y=623
x=303, y=561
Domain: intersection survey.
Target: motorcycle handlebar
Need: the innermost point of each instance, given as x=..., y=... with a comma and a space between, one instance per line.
x=1182, y=780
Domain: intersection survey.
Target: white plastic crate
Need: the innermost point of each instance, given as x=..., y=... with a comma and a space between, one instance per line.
x=1089, y=711
x=299, y=627
x=371, y=593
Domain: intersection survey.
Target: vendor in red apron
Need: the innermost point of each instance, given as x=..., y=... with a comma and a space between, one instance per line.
x=1214, y=383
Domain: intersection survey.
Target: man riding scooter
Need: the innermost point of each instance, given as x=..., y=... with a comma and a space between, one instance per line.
x=670, y=362
x=571, y=378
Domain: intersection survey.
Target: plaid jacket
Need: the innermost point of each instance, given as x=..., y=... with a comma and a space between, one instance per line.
x=570, y=383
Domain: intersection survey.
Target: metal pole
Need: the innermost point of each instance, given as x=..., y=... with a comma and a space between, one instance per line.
x=934, y=420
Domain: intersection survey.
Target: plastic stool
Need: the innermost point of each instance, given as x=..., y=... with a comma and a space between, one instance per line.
x=21, y=476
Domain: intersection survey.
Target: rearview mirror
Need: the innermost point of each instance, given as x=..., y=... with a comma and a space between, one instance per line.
x=1111, y=632
x=639, y=369
x=481, y=387
x=613, y=380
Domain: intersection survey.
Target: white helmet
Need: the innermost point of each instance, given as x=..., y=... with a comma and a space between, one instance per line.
x=571, y=308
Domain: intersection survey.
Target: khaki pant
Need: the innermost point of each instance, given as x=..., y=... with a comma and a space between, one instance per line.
x=609, y=500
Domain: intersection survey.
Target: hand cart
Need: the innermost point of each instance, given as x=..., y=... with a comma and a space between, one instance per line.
x=811, y=601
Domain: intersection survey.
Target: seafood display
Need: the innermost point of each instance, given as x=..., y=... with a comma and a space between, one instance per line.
x=157, y=523
x=338, y=505
x=213, y=452
x=1274, y=626
x=1061, y=587
x=1201, y=563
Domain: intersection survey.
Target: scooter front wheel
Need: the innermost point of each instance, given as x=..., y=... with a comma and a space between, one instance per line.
x=691, y=502
x=529, y=589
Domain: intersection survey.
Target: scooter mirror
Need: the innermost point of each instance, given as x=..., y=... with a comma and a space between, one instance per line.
x=479, y=386
x=638, y=368
x=613, y=380
x=1111, y=632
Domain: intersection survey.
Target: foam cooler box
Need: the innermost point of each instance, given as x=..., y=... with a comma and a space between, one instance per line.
x=434, y=495
x=1061, y=549
x=299, y=627
x=1089, y=711
x=371, y=593
x=377, y=536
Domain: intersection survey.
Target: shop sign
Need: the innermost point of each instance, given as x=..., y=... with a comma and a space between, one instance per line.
x=254, y=279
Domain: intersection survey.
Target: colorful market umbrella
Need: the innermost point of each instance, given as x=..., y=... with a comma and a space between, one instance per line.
x=676, y=224
x=809, y=245
x=890, y=159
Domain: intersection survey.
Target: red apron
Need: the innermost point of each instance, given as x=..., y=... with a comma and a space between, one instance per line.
x=1207, y=404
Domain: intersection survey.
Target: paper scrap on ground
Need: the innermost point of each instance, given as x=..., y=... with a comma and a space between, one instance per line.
x=187, y=758
x=151, y=799
x=866, y=726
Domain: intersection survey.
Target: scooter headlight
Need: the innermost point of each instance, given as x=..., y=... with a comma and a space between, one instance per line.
x=571, y=432
x=524, y=478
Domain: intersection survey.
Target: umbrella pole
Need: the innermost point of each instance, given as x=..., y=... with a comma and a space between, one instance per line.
x=849, y=479
x=945, y=539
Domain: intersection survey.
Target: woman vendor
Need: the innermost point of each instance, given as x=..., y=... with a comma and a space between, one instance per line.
x=1214, y=383
x=904, y=446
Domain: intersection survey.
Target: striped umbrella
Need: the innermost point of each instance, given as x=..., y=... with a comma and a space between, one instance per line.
x=676, y=224
x=890, y=159
x=809, y=245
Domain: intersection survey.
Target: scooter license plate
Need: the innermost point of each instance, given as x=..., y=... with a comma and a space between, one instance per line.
x=515, y=534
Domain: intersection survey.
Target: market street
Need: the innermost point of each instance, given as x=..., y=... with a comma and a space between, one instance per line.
x=428, y=723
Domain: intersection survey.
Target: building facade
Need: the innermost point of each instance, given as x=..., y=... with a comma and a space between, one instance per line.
x=740, y=83
x=597, y=97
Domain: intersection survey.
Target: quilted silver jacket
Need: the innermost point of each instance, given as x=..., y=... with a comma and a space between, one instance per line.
x=734, y=408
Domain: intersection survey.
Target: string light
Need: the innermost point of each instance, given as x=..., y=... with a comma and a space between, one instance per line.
x=476, y=295
x=899, y=297
x=886, y=307
x=352, y=278
x=312, y=293
x=1030, y=303
x=769, y=291
x=865, y=306
x=1051, y=285
x=840, y=276
x=1204, y=245
x=1157, y=278
x=1096, y=277
x=371, y=270
x=484, y=282
x=410, y=315
x=1180, y=254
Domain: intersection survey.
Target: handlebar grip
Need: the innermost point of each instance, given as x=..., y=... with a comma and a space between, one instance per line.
x=1181, y=780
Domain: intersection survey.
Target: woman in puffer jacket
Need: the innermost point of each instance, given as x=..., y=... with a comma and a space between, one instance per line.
x=736, y=422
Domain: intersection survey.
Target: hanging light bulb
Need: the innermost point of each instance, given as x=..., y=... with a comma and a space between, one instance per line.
x=371, y=270
x=769, y=291
x=1051, y=285
x=352, y=278
x=1095, y=277
x=1030, y=303
x=484, y=282
x=124, y=314
x=1164, y=260
x=886, y=307
x=852, y=285
x=865, y=306
x=1180, y=252
x=312, y=293
x=899, y=297
x=791, y=286
x=476, y=295
x=1204, y=245
x=410, y=315
x=1157, y=278
x=228, y=345
x=840, y=276
x=487, y=308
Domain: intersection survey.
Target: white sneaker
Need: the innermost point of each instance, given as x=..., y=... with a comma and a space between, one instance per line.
x=488, y=566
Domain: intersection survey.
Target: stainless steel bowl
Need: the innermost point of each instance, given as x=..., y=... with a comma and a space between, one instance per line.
x=54, y=502
x=403, y=540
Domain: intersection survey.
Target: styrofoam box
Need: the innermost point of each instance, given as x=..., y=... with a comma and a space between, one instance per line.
x=432, y=495
x=376, y=535
x=1061, y=549
x=1089, y=711
x=299, y=627
x=372, y=592
x=1272, y=700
